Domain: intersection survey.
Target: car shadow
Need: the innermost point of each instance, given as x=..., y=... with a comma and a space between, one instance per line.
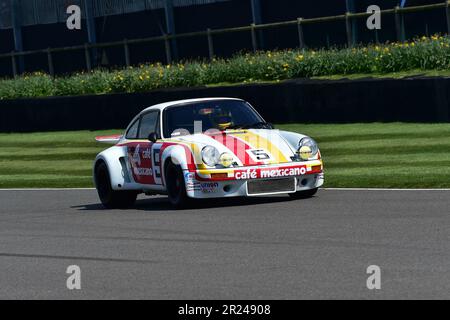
x=162, y=204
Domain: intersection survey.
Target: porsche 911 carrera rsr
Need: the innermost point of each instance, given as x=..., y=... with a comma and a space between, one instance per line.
x=202, y=149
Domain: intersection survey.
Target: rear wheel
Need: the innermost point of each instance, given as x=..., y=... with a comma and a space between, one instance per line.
x=176, y=187
x=111, y=199
x=304, y=194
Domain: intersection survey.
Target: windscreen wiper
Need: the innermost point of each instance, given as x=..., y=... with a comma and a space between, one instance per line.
x=258, y=125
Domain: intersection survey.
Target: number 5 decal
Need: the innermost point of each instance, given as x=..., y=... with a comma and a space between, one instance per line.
x=259, y=155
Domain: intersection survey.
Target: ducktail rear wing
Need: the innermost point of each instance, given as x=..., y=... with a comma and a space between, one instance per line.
x=113, y=139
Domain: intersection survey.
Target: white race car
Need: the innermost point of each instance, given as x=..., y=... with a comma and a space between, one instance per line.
x=205, y=148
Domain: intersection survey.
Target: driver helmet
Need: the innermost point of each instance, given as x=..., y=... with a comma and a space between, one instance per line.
x=221, y=119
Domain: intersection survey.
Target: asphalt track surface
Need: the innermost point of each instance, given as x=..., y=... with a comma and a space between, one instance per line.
x=265, y=248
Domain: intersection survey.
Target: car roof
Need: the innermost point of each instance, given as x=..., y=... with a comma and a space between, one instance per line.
x=165, y=105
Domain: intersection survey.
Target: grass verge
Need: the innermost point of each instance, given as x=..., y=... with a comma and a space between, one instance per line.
x=396, y=155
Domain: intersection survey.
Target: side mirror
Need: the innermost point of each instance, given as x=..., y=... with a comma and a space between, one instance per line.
x=153, y=137
x=271, y=126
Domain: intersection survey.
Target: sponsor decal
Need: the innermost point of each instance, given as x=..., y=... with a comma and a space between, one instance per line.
x=189, y=176
x=140, y=161
x=136, y=158
x=147, y=154
x=243, y=175
x=193, y=186
x=270, y=173
x=143, y=171
x=209, y=187
x=136, y=161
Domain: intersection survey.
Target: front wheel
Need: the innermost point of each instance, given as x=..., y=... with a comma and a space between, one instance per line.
x=110, y=198
x=176, y=187
x=304, y=194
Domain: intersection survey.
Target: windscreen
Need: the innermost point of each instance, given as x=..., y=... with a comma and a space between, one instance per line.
x=202, y=116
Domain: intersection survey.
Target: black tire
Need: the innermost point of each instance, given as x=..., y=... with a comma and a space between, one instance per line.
x=304, y=194
x=176, y=187
x=111, y=199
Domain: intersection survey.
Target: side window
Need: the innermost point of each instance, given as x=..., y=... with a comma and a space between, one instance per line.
x=132, y=132
x=149, y=124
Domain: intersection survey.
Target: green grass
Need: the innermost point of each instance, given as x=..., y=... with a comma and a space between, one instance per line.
x=48, y=160
x=422, y=56
x=395, y=155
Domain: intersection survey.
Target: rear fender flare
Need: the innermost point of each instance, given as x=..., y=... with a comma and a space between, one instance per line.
x=115, y=159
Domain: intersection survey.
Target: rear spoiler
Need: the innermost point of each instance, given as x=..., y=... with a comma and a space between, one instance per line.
x=113, y=139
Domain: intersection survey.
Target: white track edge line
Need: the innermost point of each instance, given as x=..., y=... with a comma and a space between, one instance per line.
x=383, y=189
x=325, y=189
x=47, y=189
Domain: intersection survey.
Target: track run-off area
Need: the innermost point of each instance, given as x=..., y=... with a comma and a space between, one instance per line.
x=259, y=248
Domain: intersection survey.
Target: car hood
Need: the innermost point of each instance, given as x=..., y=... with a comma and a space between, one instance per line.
x=248, y=147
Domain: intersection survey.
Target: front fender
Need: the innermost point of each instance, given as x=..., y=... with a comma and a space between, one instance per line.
x=292, y=138
x=178, y=154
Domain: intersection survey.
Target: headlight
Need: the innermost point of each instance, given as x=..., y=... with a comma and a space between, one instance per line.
x=210, y=156
x=226, y=160
x=307, y=148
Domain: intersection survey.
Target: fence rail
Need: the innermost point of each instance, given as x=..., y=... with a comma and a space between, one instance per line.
x=210, y=33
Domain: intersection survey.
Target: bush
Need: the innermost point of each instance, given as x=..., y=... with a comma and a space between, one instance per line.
x=426, y=53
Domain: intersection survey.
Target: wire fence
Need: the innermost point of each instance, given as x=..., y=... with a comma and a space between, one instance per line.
x=166, y=40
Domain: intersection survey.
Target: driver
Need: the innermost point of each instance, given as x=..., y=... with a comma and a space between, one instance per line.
x=221, y=119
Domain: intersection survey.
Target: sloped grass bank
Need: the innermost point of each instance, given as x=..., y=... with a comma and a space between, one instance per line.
x=429, y=55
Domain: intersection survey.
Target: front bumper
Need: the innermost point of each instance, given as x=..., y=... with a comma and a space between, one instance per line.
x=219, y=183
